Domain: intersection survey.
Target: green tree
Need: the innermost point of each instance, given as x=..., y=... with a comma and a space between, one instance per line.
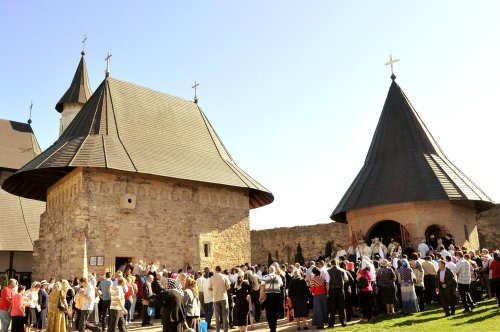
x=277, y=257
x=328, y=248
x=299, y=258
x=269, y=259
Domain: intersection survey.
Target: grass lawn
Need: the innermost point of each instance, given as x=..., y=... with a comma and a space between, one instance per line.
x=486, y=317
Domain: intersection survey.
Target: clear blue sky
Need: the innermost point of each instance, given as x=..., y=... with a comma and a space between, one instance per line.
x=294, y=88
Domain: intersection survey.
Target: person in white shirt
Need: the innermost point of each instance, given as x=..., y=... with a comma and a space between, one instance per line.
x=270, y=295
x=138, y=269
x=445, y=253
x=324, y=271
x=200, y=281
x=208, y=299
x=340, y=253
x=449, y=264
x=87, y=292
x=219, y=284
x=117, y=309
x=423, y=248
x=312, y=264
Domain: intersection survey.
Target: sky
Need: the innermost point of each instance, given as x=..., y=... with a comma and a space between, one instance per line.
x=294, y=89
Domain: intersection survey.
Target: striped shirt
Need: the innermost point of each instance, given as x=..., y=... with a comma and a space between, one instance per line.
x=117, y=297
x=272, y=283
x=462, y=271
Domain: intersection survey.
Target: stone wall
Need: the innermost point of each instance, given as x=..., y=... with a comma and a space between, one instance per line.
x=284, y=240
x=416, y=217
x=488, y=223
x=99, y=212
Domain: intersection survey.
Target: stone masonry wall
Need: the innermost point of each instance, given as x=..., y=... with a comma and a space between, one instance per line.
x=312, y=239
x=458, y=220
x=100, y=212
x=488, y=223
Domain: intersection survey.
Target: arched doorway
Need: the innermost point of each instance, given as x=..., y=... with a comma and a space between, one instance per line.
x=432, y=233
x=385, y=230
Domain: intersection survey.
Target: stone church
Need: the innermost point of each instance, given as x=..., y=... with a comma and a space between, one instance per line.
x=407, y=188
x=136, y=174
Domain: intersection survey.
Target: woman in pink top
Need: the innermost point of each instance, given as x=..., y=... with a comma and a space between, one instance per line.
x=18, y=310
x=365, y=293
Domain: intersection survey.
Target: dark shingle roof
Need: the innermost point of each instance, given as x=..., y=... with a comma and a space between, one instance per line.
x=127, y=127
x=79, y=90
x=18, y=144
x=405, y=164
x=20, y=221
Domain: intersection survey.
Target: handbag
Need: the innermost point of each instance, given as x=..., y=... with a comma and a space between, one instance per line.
x=151, y=311
x=363, y=281
x=61, y=304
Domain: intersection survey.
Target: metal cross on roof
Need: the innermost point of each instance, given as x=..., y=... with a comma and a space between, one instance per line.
x=108, y=57
x=195, y=87
x=84, y=42
x=391, y=63
x=31, y=108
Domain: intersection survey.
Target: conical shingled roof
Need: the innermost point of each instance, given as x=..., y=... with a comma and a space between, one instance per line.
x=406, y=164
x=127, y=127
x=79, y=90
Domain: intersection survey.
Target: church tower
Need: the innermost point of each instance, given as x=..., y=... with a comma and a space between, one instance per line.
x=138, y=174
x=75, y=97
x=407, y=188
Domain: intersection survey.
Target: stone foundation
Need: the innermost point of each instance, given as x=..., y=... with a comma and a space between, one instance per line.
x=95, y=212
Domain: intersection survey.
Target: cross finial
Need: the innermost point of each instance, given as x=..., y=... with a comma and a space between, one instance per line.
x=391, y=63
x=84, y=42
x=108, y=57
x=195, y=87
x=31, y=108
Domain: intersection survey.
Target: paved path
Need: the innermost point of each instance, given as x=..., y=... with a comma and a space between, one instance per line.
x=283, y=325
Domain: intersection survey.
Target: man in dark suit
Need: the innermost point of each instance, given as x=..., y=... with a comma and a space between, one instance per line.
x=445, y=287
x=147, y=292
x=336, y=294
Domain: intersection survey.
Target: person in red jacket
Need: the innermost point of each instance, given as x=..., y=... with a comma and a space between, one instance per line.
x=495, y=275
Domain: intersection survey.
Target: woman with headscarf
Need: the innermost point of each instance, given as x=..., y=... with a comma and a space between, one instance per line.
x=406, y=278
x=317, y=286
x=70, y=296
x=173, y=314
x=241, y=308
x=387, y=288
x=192, y=304
x=364, y=279
x=56, y=320
x=299, y=293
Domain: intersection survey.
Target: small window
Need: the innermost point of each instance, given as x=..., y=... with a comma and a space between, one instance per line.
x=466, y=230
x=206, y=249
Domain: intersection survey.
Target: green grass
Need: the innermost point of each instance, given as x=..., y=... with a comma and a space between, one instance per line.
x=485, y=317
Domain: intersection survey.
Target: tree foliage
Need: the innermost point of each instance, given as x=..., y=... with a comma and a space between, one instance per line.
x=328, y=248
x=299, y=258
x=269, y=259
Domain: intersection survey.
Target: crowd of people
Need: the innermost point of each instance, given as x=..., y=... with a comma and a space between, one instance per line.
x=347, y=283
